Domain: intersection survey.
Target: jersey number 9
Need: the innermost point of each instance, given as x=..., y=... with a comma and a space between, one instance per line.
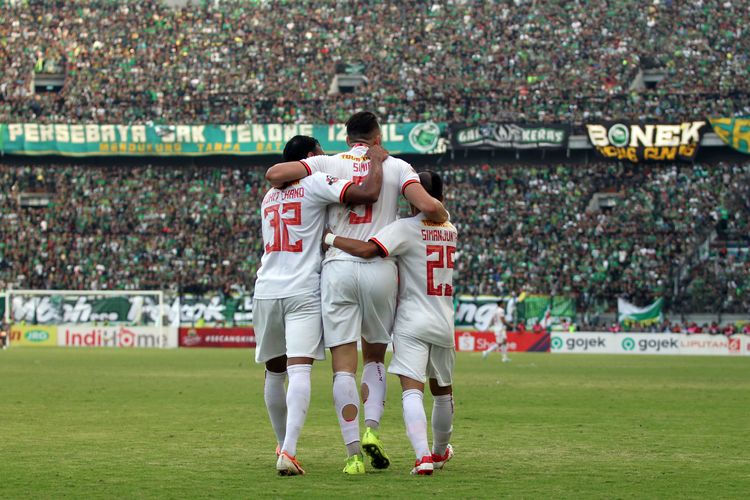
x=355, y=218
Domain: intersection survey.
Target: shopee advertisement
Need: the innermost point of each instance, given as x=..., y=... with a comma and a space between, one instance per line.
x=477, y=341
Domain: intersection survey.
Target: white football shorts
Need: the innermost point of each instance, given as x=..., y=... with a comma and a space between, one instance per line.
x=290, y=326
x=501, y=335
x=359, y=299
x=420, y=360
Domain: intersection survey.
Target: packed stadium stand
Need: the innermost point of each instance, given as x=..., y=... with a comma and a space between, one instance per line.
x=678, y=230
x=196, y=229
x=465, y=61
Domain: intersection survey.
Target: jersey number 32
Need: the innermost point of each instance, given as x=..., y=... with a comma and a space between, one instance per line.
x=280, y=226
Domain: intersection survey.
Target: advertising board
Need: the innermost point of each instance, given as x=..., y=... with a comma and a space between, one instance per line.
x=650, y=343
x=72, y=335
x=478, y=341
x=217, y=337
x=33, y=335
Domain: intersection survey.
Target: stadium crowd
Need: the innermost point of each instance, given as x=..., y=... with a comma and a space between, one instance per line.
x=234, y=61
x=523, y=228
x=530, y=228
x=187, y=229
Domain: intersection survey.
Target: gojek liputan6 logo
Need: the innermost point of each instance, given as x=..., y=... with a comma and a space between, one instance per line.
x=628, y=344
x=557, y=343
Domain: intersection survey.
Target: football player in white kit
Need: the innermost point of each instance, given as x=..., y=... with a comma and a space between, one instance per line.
x=286, y=303
x=500, y=326
x=359, y=295
x=423, y=344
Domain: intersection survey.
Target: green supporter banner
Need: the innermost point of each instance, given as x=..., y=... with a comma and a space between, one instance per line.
x=202, y=140
x=475, y=313
x=534, y=308
x=631, y=315
x=733, y=131
x=182, y=310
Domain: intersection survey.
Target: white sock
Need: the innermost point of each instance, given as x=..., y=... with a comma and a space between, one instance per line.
x=345, y=393
x=415, y=421
x=491, y=348
x=297, y=403
x=373, y=376
x=275, y=396
x=442, y=423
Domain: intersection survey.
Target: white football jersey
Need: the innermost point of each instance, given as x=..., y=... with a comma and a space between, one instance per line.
x=497, y=320
x=293, y=223
x=425, y=252
x=361, y=222
x=510, y=309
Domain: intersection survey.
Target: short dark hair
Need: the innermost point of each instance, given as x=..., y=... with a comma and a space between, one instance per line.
x=432, y=183
x=299, y=146
x=362, y=125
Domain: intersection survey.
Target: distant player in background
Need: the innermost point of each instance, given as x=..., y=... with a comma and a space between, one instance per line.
x=286, y=303
x=423, y=330
x=4, y=334
x=510, y=308
x=359, y=295
x=499, y=326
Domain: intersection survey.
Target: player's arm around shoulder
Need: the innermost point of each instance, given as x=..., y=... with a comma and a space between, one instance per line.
x=288, y=171
x=369, y=192
x=358, y=248
x=432, y=209
x=388, y=241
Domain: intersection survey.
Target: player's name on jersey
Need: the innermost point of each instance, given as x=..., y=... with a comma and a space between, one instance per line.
x=438, y=235
x=288, y=194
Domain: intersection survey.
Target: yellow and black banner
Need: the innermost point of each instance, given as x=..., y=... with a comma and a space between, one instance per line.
x=640, y=142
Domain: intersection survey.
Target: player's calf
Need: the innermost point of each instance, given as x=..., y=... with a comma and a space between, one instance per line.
x=442, y=423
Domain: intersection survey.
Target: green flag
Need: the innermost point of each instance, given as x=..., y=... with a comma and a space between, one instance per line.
x=630, y=314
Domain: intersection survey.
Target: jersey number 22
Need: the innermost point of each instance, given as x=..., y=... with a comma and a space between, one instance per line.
x=444, y=261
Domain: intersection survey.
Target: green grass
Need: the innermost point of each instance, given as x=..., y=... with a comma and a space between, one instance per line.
x=191, y=423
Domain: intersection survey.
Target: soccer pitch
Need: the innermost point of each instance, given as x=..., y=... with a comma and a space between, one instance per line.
x=191, y=423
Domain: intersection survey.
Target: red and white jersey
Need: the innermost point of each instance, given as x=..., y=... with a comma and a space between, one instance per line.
x=293, y=223
x=425, y=252
x=361, y=222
